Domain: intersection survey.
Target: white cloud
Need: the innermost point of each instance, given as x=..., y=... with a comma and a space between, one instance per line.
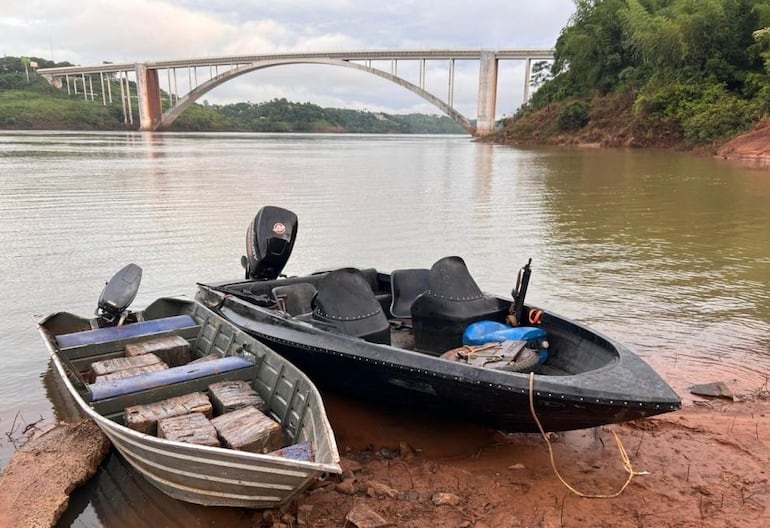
x=92, y=31
x=328, y=42
x=257, y=36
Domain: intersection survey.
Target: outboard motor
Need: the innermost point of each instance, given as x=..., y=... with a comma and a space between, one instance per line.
x=118, y=294
x=269, y=241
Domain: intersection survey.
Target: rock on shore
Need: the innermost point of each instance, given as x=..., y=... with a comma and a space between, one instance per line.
x=35, y=487
x=752, y=147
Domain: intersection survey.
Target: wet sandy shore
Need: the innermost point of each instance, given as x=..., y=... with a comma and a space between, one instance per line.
x=707, y=465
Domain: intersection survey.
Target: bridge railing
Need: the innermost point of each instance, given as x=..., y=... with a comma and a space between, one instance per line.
x=79, y=78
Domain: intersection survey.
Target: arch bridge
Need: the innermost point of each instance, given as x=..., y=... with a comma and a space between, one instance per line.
x=215, y=71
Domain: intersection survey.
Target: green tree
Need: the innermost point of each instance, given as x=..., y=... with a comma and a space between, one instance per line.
x=592, y=49
x=698, y=70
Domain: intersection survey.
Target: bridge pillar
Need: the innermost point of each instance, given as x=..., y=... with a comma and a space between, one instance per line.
x=148, y=95
x=485, y=121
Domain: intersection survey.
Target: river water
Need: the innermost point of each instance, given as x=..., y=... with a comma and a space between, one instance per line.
x=667, y=253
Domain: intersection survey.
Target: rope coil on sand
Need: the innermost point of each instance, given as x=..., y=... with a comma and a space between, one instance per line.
x=621, y=450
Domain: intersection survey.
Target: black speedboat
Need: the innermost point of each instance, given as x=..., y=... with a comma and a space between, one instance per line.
x=431, y=339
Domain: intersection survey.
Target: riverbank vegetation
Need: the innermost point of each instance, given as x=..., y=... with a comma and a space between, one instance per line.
x=280, y=115
x=652, y=73
x=27, y=101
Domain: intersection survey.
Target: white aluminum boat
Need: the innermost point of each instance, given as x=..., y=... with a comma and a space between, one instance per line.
x=212, y=476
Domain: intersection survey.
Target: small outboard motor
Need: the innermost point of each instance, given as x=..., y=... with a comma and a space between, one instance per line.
x=118, y=294
x=269, y=241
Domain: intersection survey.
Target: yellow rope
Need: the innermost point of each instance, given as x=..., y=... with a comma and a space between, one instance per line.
x=468, y=350
x=621, y=449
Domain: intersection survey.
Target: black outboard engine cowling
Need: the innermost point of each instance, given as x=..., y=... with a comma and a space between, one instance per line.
x=269, y=241
x=119, y=293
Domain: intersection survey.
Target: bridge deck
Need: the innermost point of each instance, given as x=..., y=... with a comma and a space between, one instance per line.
x=435, y=54
x=148, y=90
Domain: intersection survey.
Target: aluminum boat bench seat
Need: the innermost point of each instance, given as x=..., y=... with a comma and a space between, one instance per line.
x=170, y=376
x=128, y=332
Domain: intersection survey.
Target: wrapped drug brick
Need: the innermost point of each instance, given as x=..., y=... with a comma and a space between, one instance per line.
x=191, y=428
x=112, y=366
x=249, y=429
x=127, y=373
x=144, y=418
x=228, y=396
x=173, y=350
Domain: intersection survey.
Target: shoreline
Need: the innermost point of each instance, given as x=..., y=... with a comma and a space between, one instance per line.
x=708, y=466
x=751, y=149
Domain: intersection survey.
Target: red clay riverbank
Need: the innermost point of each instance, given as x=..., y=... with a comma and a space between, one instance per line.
x=753, y=147
x=709, y=466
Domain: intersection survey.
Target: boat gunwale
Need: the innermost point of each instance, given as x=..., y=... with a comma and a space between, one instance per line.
x=170, y=449
x=439, y=367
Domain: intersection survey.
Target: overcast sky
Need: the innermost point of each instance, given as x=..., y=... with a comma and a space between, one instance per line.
x=87, y=32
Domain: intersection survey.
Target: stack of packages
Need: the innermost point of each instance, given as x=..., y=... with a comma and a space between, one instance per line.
x=230, y=415
x=239, y=422
x=142, y=358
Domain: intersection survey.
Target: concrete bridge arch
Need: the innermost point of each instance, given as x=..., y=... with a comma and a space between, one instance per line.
x=80, y=79
x=169, y=116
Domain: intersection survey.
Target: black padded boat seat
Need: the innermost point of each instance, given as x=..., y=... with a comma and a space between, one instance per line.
x=110, y=334
x=346, y=300
x=372, y=278
x=406, y=285
x=295, y=299
x=370, y=275
x=453, y=301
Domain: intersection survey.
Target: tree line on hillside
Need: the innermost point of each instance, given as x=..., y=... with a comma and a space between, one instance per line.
x=27, y=101
x=15, y=71
x=281, y=115
x=697, y=71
